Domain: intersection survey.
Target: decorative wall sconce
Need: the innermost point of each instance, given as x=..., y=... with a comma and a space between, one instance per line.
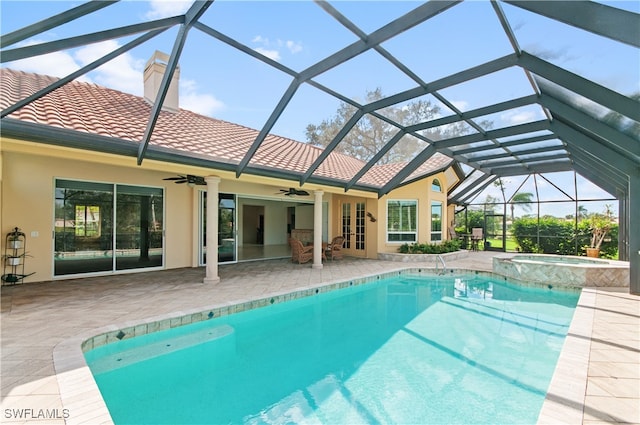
x=371, y=217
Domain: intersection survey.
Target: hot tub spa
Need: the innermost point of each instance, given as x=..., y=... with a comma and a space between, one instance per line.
x=562, y=270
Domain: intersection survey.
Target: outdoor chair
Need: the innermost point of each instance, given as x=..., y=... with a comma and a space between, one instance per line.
x=300, y=253
x=476, y=237
x=463, y=238
x=334, y=248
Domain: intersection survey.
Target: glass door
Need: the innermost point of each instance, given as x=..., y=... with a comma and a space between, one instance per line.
x=226, y=228
x=227, y=252
x=352, y=222
x=92, y=218
x=494, y=225
x=139, y=224
x=83, y=227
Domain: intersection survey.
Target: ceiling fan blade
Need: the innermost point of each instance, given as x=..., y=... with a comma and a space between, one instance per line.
x=293, y=192
x=197, y=180
x=175, y=178
x=181, y=181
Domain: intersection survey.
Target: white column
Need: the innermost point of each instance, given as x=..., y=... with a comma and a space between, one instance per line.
x=317, y=229
x=211, y=267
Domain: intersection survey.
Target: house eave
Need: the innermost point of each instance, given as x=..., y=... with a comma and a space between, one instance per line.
x=62, y=137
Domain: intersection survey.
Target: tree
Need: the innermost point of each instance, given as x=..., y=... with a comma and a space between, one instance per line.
x=600, y=225
x=490, y=203
x=582, y=212
x=523, y=199
x=371, y=134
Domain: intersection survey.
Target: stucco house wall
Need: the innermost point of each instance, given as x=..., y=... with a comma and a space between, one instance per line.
x=422, y=192
x=29, y=171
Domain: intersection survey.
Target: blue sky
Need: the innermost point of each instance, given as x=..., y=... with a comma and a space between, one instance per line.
x=219, y=81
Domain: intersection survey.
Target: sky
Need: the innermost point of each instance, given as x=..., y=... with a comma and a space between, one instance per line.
x=219, y=81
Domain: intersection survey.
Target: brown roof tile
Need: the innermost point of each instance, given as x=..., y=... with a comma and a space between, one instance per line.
x=95, y=109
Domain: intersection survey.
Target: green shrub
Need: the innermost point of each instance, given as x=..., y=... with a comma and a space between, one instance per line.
x=549, y=235
x=558, y=236
x=424, y=248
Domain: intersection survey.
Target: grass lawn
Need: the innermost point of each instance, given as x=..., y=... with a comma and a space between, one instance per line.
x=511, y=244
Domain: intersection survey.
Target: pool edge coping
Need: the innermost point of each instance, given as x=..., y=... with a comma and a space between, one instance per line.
x=80, y=395
x=564, y=402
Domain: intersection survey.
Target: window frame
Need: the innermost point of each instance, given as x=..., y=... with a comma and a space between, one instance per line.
x=435, y=183
x=106, y=241
x=414, y=232
x=432, y=232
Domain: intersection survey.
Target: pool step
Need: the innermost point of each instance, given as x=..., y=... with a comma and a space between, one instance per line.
x=149, y=351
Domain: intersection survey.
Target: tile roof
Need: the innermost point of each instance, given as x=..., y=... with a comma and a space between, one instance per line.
x=91, y=108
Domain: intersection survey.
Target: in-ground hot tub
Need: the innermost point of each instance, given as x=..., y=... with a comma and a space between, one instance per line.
x=562, y=270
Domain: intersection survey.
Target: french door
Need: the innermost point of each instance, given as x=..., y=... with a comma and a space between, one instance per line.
x=352, y=217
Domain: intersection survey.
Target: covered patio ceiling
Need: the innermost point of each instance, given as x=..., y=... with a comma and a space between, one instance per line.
x=564, y=118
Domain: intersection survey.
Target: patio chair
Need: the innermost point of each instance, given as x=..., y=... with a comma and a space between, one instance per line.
x=300, y=253
x=462, y=237
x=476, y=237
x=334, y=248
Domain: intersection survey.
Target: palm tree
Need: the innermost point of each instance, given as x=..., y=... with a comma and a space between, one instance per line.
x=524, y=199
x=582, y=212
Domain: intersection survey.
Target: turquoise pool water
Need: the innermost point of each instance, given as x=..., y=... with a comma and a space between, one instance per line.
x=465, y=349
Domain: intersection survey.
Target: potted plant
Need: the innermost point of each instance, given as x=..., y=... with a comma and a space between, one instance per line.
x=600, y=226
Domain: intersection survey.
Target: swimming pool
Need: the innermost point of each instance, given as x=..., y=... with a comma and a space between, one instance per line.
x=471, y=349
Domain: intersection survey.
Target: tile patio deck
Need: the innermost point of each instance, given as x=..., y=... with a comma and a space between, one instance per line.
x=597, y=379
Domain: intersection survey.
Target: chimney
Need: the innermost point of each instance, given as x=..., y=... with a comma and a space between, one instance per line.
x=153, y=72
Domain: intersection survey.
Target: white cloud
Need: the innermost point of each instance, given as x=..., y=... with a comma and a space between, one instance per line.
x=123, y=73
x=166, y=8
x=201, y=103
x=514, y=118
x=56, y=64
x=272, y=49
x=272, y=54
x=294, y=47
x=462, y=105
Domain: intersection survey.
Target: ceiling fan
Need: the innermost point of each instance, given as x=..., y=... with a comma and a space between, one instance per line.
x=189, y=179
x=292, y=191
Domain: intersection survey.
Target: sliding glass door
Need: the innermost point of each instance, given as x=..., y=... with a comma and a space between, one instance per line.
x=227, y=252
x=139, y=227
x=91, y=218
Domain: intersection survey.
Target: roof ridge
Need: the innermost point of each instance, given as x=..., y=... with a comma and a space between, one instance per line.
x=90, y=107
x=181, y=109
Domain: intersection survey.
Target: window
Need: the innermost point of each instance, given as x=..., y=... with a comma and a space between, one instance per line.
x=92, y=218
x=436, y=186
x=402, y=221
x=436, y=221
